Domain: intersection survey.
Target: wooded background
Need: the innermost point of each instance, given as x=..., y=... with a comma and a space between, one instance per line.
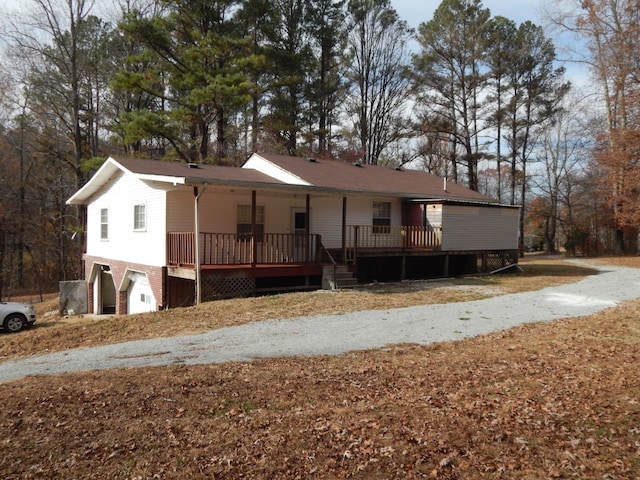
x=468, y=96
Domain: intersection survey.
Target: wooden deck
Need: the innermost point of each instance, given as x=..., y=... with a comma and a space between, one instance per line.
x=240, y=249
x=393, y=237
x=270, y=249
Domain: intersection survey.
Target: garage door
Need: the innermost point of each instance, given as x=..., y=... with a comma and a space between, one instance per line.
x=139, y=295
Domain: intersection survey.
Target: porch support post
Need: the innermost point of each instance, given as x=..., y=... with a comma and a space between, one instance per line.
x=254, y=244
x=425, y=234
x=424, y=215
x=344, y=229
x=307, y=230
x=196, y=208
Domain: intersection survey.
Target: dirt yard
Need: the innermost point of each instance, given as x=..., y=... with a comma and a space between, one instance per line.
x=554, y=400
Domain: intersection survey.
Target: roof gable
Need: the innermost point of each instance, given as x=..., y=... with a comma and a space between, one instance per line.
x=177, y=173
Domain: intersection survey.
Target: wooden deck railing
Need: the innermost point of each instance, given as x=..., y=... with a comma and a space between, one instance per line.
x=393, y=237
x=282, y=248
x=181, y=248
x=233, y=249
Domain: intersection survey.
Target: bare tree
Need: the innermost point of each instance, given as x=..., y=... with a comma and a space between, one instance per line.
x=611, y=31
x=55, y=44
x=564, y=148
x=51, y=36
x=376, y=57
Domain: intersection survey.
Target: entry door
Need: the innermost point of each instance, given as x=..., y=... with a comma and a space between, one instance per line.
x=299, y=221
x=298, y=227
x=107, y=293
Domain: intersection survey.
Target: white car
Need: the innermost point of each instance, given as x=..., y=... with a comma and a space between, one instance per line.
x=16, y=316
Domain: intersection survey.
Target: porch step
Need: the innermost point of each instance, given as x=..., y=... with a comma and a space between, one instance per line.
x=343, y=278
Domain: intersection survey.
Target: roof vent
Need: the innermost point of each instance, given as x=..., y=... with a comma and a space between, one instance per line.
x=357, y=164
x=311, y=160
x=399, y=169
x=193, y=165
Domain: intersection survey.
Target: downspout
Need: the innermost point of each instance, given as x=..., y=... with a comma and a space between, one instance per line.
x=307, y=230
x=254, y=243
x=344, y=230
x=196, y=209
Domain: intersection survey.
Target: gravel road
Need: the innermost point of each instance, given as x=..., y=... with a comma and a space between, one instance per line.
x=335, y=334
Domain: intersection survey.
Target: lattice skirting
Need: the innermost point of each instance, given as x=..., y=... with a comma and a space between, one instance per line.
x=216, y=286
x=490, y=262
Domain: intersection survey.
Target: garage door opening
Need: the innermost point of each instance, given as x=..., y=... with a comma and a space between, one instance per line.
x=140, y=296
x=104, y=289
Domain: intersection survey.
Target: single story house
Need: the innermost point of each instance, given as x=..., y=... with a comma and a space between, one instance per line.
x=165, y=234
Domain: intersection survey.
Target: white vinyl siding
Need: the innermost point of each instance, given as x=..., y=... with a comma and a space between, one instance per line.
x=474, y=228
x=326, y=218
x=434, y=215
x=256, y=162
x=219, y=211
x=119, y=197
x=180, y=217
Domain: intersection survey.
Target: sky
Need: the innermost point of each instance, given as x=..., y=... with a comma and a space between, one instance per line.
x=415, y=12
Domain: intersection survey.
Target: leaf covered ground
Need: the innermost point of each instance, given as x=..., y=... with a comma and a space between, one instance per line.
x=547, y=400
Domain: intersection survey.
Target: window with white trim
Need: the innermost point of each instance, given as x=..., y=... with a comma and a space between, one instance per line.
x=140, y=217
x=104, y=224
x=244, y=222
x=381, y=217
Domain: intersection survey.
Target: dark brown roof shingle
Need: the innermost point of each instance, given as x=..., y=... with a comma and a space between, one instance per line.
x=373, y=179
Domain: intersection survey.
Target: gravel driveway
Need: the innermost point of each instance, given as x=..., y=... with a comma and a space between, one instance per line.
x=335, y=334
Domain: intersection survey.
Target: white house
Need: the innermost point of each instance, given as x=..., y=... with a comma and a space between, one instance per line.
x=276, y=223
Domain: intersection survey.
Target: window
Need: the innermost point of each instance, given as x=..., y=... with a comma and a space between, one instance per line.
x=381, y=217
x=104, y=224
x=139, y=217
x=244, y=222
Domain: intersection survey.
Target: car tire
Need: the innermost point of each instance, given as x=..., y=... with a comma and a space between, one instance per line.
x=14, y=323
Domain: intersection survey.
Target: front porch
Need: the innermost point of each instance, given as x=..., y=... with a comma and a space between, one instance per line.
x=218, y=249
x=235, y=265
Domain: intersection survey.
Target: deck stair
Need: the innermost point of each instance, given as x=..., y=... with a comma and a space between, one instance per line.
x=338, y=276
